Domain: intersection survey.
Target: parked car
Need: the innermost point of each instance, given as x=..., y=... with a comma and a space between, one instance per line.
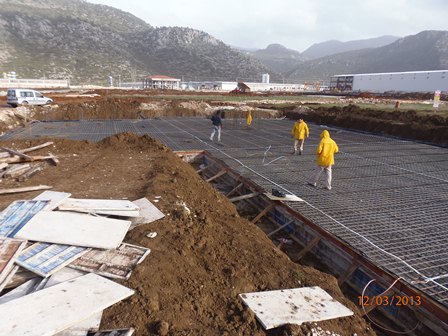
x=15, y=97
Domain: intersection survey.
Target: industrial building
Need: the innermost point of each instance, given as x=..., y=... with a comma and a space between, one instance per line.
x=409, y=81
x=161, y=82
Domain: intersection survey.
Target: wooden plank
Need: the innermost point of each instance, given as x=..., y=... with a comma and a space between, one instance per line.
x=243, y=197
x=148, y=213
x=81, y=328
x=203, y=168
x=219, y=174
x=307, y=248
x=234, y=189
x=88, y=205
x=31, y=172
x=4, y=172
x=17, y=214
x=21, y=276
x=8, y=277
x=354, y=265
x=10, y=249
x=280, y=228
x=54, y=309
x=3, y=165
x=53, y=159
x=23, y=189
x=294, y=306
x=29, y=149
x=45, y=259
x=133, y=214
x=115, y=264
x=17, y=153
x=114, y=332
x=64, y=274
x=54, y=198
x=17, y=170
x=16, y=159
x=22, y=290
x=75, y=229
x=262, y=213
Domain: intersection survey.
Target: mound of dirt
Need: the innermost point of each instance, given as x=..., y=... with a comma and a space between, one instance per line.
x=404, y=124
x=204, y=255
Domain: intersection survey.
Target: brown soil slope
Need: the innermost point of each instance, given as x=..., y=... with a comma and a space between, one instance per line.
x=200, y=260
x=404, y=124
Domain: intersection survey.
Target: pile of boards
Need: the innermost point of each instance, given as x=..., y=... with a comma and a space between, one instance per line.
x=58, y=256
x=16, y=164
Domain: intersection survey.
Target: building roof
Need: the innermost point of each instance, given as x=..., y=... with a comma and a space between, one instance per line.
x=161, y=77
x=391, y=73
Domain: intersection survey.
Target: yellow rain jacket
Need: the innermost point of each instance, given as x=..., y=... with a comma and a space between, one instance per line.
x=300, y=130
x=326, y=150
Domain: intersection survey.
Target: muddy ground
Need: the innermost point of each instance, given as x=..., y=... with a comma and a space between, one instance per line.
x=201, y=259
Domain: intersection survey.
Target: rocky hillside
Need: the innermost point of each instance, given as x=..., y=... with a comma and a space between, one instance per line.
x=427, y=50
x=87, y=43
x=279, y=58
x=332, y=47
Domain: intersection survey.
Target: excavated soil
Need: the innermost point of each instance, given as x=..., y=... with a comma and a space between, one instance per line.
x=403, y=124
x=201, y=259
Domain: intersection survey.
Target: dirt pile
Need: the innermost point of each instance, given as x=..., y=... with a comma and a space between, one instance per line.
x=404, y=124
x=204, y=255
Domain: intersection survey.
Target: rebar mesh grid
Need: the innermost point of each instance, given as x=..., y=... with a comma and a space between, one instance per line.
x=389, y=199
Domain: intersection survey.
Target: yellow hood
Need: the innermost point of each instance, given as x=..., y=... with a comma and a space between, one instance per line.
x=325, y=134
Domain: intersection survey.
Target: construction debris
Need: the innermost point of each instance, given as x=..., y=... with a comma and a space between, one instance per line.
x=23, y=171
x=115, y=264
x=294, y=306
x=66, y=301
x=23, y=189
x=54, y=309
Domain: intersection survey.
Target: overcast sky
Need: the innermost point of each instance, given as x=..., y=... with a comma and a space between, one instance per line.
x=296, y=24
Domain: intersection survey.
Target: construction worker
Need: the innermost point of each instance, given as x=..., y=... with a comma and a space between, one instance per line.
x=325, y=159
x=299, y=132
x=217, y=125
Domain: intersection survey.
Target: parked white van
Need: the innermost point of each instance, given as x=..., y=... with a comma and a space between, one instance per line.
x=17, y=97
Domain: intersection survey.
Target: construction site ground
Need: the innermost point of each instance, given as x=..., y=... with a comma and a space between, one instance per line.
x=205, y=253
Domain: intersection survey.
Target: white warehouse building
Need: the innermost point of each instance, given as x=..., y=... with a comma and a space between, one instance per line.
x=409, y=81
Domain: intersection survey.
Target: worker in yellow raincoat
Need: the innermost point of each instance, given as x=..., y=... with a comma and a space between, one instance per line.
x=299, y=132
x=325, y=159
x=249, y=119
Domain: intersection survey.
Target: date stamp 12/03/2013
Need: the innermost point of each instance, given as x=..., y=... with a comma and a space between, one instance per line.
x=393, y=300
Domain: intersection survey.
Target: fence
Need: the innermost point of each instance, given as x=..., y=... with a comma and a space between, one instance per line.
x=34, y=83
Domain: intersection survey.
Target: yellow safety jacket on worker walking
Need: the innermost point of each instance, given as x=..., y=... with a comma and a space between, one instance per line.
x=326, y=150
x=300, y=130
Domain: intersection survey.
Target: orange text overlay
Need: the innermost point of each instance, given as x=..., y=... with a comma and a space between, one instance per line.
x=394, y=300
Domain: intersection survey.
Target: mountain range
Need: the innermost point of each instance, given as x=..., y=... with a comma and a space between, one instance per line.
x=87, y=43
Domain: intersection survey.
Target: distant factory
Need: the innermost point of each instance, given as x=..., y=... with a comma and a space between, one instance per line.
x=409, y=81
